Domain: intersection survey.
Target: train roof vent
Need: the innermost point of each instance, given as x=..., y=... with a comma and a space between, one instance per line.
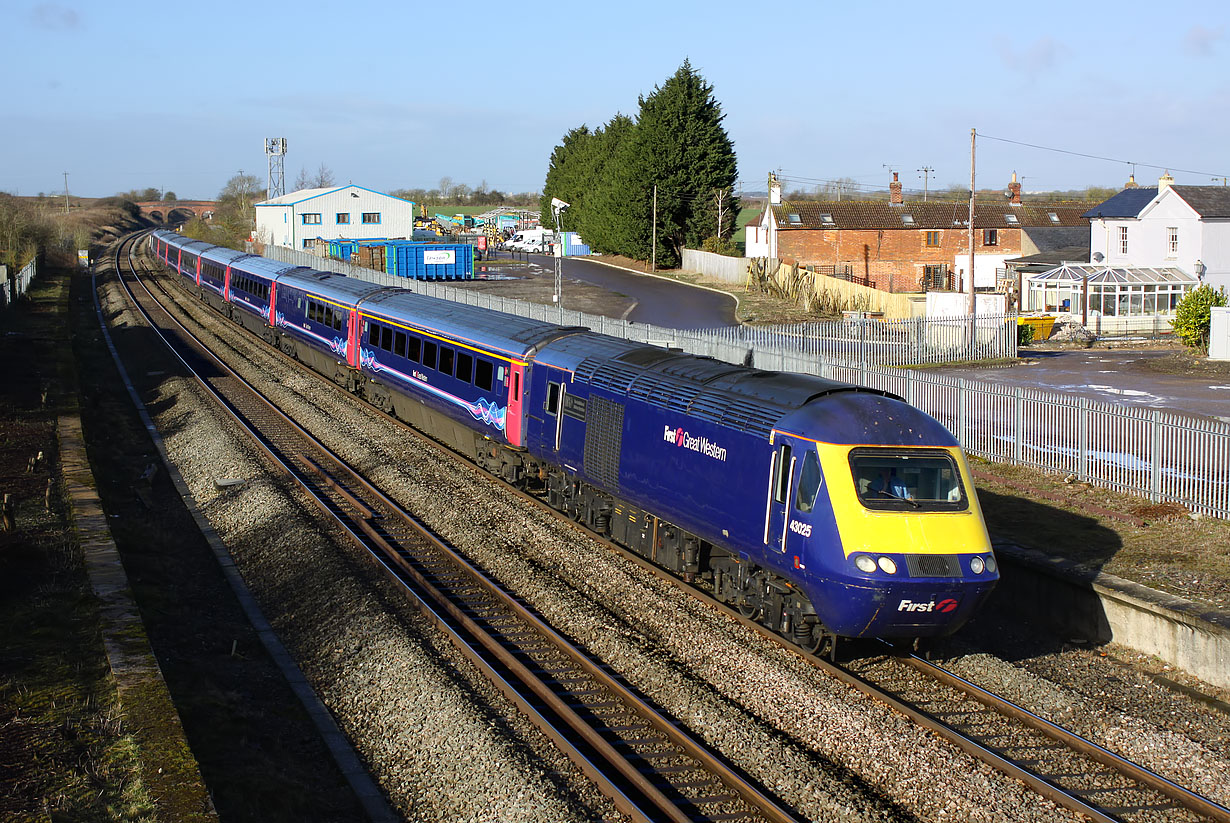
x=751, y=417
x=676, y=395
x=611, y=375
x=736, y=412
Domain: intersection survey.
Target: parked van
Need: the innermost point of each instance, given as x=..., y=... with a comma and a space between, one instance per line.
x=532, y=240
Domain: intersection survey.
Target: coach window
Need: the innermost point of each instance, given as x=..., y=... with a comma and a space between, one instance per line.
x=339, y=320
x=446, y=360
x=399, y=343
x=429, y=354
x=465, y=365
x=483, y=370
x=809, y=482
x=552, y=405
x=782, y=481
x=311, y=310
x=415, y=350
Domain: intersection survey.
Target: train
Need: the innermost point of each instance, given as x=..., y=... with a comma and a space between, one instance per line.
x=821, y=509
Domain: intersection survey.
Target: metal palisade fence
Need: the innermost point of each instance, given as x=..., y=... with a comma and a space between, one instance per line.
x=16, y=286
x=1163, y=456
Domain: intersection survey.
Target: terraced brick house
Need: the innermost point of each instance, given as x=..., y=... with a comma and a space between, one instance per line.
x=916, y=246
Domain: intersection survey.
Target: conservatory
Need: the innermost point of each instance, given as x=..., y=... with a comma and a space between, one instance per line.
x=1096, y=291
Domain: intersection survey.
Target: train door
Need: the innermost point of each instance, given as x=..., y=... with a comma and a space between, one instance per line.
x=512, y=416
x=782, y=469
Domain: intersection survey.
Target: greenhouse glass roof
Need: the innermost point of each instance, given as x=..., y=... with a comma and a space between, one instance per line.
x=1097, y=273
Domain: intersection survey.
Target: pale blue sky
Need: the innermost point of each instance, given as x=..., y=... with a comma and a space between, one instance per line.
x=394, y=95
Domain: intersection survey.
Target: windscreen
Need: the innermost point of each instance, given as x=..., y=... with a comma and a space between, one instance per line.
x=907, y=480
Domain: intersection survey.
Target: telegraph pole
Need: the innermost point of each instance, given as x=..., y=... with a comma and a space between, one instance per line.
x=66, y=192
x=973, y=134
x=926, y=170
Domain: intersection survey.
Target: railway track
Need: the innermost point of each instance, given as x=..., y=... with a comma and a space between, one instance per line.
x=1071, y=771
x=650, y=768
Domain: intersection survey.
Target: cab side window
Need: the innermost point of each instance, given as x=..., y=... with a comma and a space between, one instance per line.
x=810, y=480
x=782, y=479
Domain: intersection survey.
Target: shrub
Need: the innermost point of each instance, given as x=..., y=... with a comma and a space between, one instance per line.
x=720, y=245
x=1192, y=317
x=1024, y=334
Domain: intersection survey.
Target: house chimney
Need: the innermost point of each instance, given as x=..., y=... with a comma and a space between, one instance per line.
x=894, y=192
x=775, y=191
x=1014, y=191
x=1131, y=183
x=1164, y=182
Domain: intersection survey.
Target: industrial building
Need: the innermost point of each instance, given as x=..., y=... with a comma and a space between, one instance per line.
x=298, y=219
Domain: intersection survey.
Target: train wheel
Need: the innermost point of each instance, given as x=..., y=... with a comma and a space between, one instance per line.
x=820, y=642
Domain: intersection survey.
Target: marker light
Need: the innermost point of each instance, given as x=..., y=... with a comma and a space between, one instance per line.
x=992, y=566
x=976, y=565
x=865, y=564
x=887, y=565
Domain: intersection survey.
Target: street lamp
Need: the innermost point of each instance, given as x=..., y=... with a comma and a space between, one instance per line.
x=558, y=207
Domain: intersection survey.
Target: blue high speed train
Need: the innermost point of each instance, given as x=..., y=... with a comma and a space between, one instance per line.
x=819, y=508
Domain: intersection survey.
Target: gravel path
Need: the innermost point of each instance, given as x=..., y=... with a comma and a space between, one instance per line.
x=822, y=747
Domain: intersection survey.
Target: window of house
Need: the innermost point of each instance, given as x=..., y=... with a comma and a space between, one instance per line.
x=1123, y=240
x=907, y=219
x=1012, y=220
x=933, y=238
x=990, y=237
x=1054, y=218
x=1172, y=241
x=311, y=218
x=343, y=218
x=371, y=217
x=307, y=244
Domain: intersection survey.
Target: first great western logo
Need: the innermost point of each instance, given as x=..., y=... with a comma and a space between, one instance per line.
x=702, y=445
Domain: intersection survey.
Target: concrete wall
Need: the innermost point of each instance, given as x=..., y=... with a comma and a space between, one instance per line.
x=731, y=270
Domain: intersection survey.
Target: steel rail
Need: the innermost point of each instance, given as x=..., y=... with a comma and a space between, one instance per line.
x=665, y=807
x=1184, y=797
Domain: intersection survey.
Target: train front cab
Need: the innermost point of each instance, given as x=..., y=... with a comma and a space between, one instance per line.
x=911, y=556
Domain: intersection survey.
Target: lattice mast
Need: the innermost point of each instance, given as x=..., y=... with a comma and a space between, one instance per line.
x=275, y=150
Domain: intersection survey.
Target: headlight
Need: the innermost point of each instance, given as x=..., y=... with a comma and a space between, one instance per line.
x=992, y=566
x=976, y=565
x=865, y=564
x=887, y=565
